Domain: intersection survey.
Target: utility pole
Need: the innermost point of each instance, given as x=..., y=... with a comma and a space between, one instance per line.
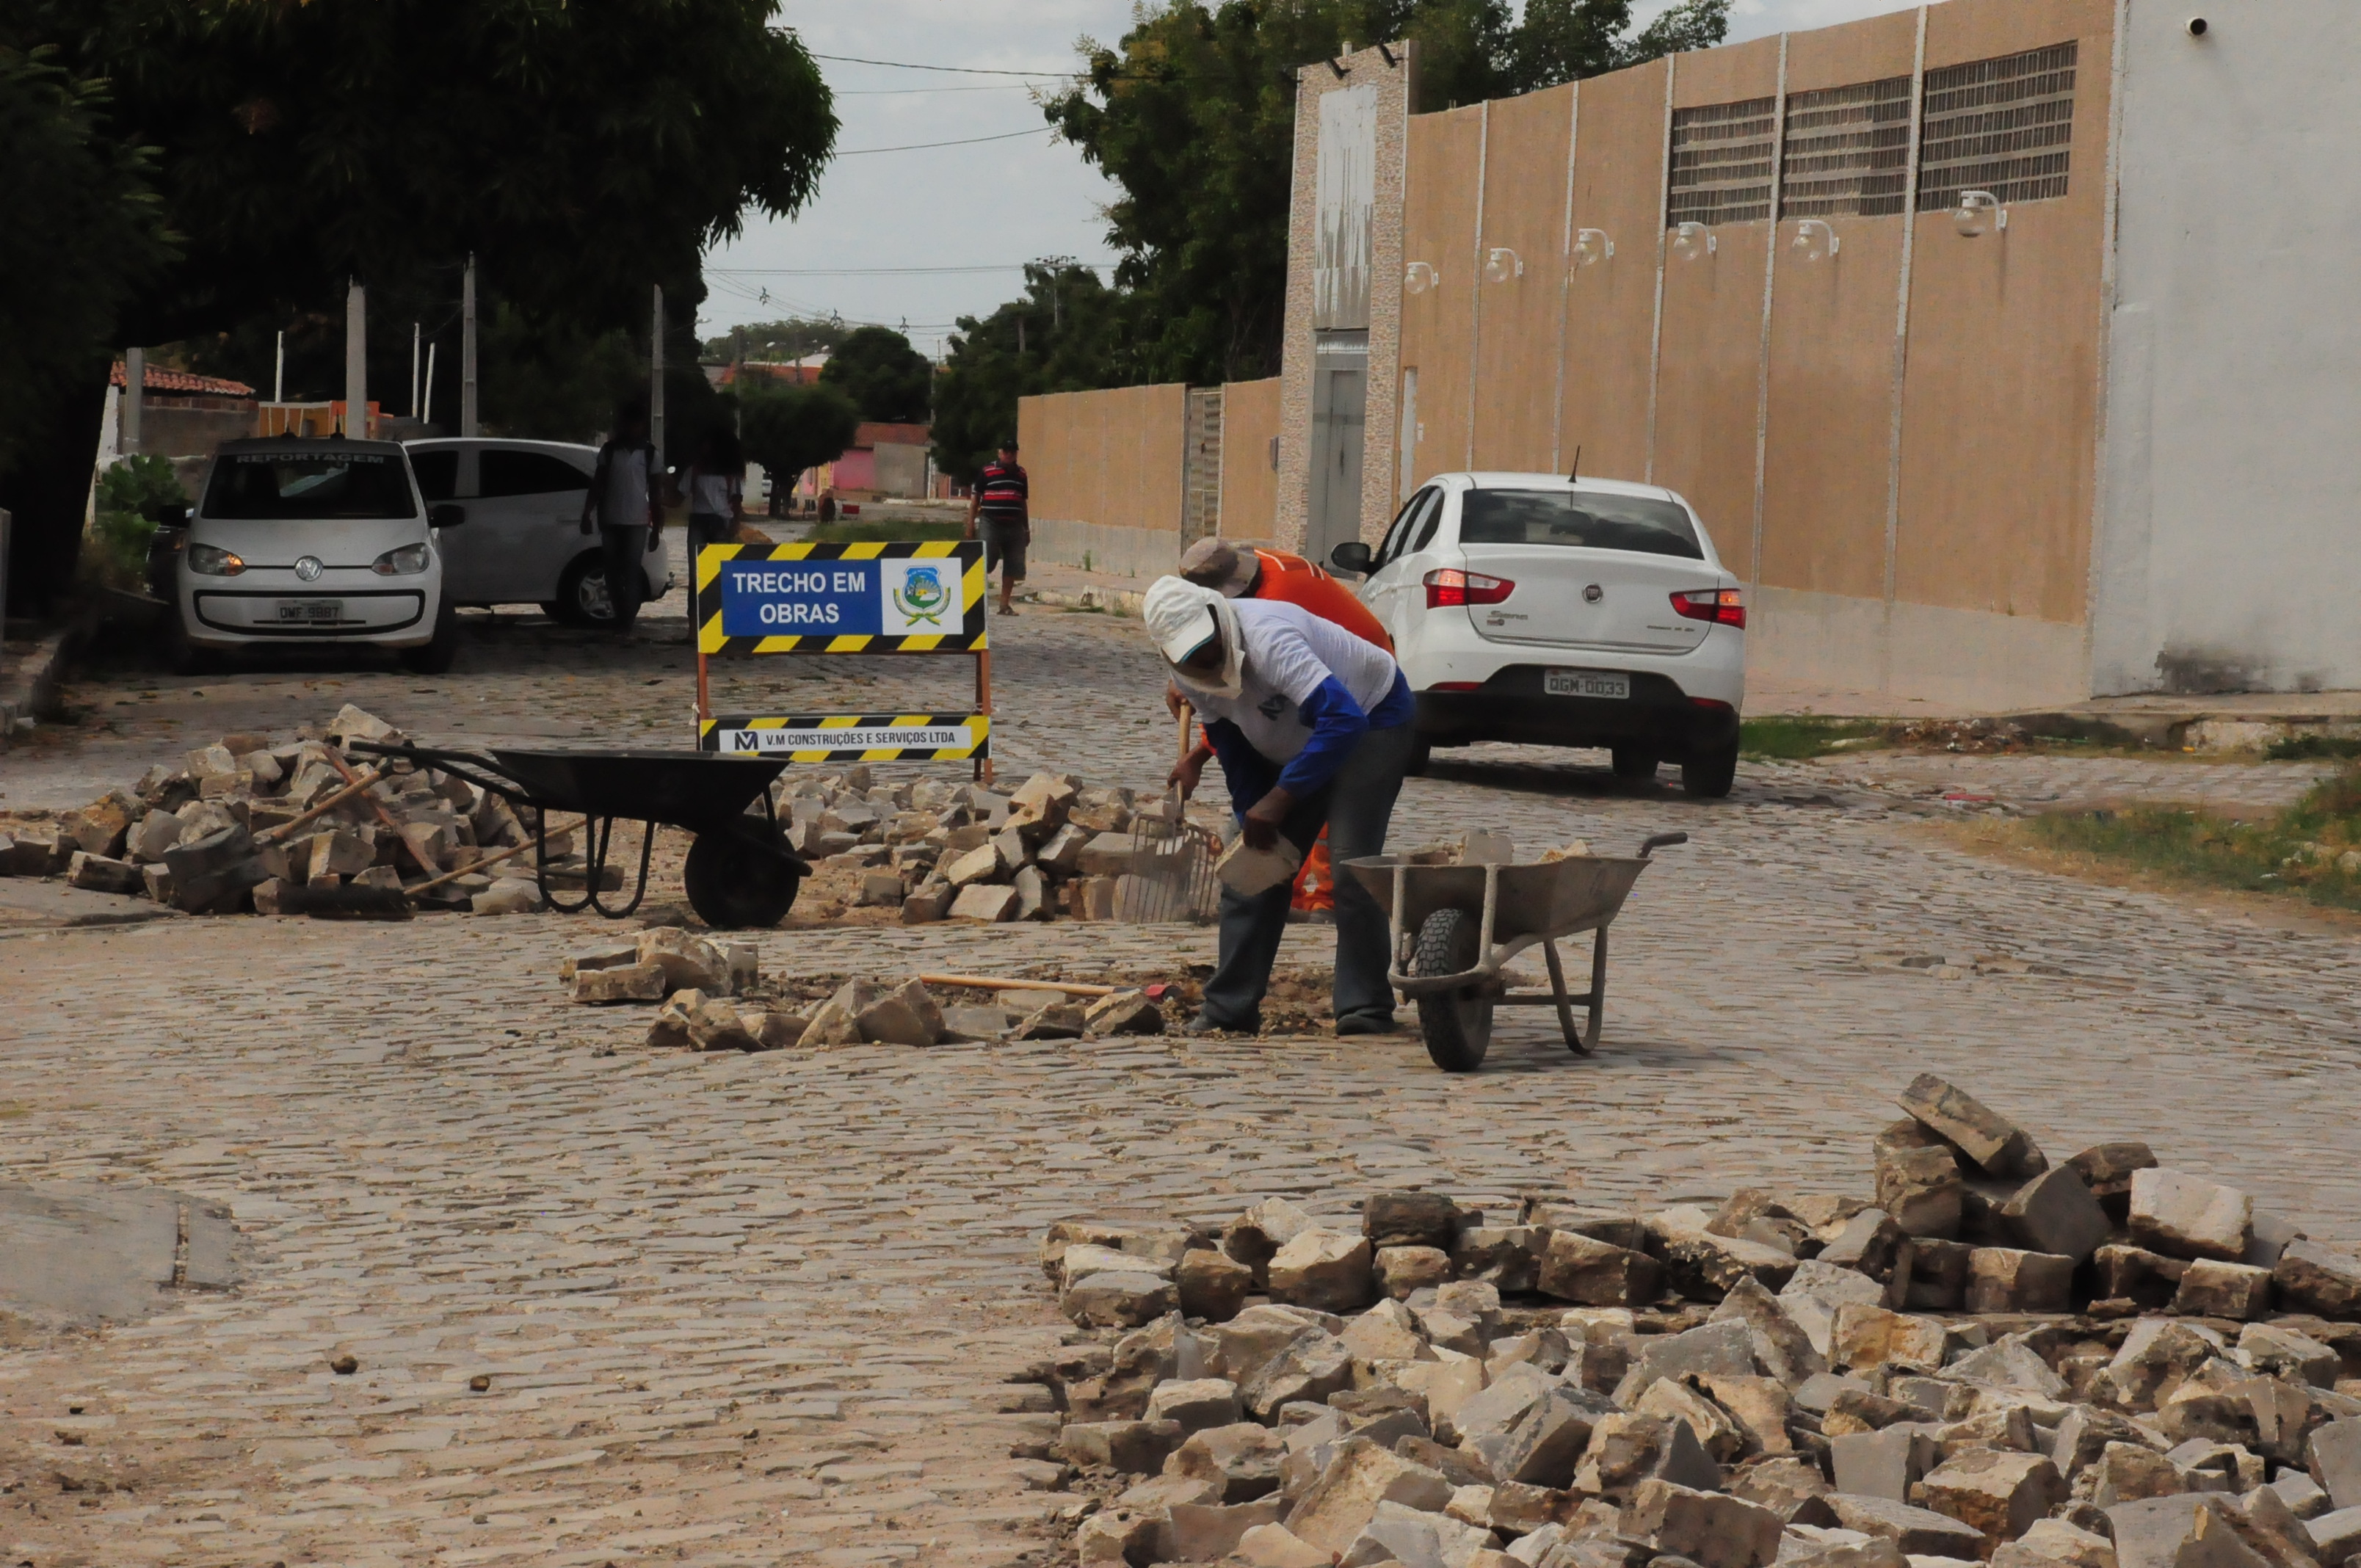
x=468, y=351
x=1020, y=334
x=655, y=376
x=278, y=370
x=426, y=414
x=413, y=370
x=356, y=361
x=135, y=392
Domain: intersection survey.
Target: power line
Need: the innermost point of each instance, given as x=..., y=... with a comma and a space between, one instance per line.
x=963, y=141
x=873, y=271
x=953, y=69
x=905, y=91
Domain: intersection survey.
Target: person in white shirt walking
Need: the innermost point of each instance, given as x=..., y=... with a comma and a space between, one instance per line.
x=717, y=492
x=627, y=494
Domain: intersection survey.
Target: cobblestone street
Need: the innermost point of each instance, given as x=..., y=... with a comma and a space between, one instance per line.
x=762, y=1308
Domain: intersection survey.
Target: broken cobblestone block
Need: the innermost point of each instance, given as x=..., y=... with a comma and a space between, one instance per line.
x=718, y=1026
x=931, y=902
x=1503, y=1255
x=1995, y=1493
x=1918, y=1532
x=976, y=868
x=879, y=890
x=98, y=829
x=2057, y=1213
x=2003, y=1279
x=152, y=835
x=1125, y=1013
x=1885, y=1462
x=1401, y=1270
x=507, y=895
x=1324, y=1269
x=1240, y=1459
x=1254, y=1236
x=1627, y=1449
x=1055, y=1021
x=1716, y=1432
x=274, y=896
x=2130, y=1472
x=2214, y=1289
x=628, y=983
x=1702, y=1266
x=1275, y=1546
x=1338, y=1505
x=1549, y=1440
x=1997, y=1146
x=1409, y=1219
x=2337, y=1537
x=1061, y=854
x=1712, y=1529
x=1033, y=899
x=778, y=1030
x=1918, y=1181
x=343, y=853
x=1781, y=1347
x=1863, y=1335
x=1817, y=1290
x=2136, y=1275
x=905, y=1015
x=1387, y=1331
x=1195, y=1403
x=1212, y=1286
x=2314, y=1278
x=837, y=1021
x=1105, y=855
x=1117, y=1301
x=1311, y=1365
x=984, y=902
x=1597, y=1273
x=2282, y=1351
x=687, y=959
x=2185, y=1216
x=99, y=874
x=1789, y=1487
x=605, y=954
x=2333, y=1454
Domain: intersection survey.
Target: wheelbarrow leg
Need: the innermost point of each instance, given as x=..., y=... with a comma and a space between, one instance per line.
x=1581, y=1041
x=598, y=871
x=541, y=863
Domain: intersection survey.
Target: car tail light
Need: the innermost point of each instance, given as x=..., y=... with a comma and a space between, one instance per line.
x=1723, y=606
x=1450, y=586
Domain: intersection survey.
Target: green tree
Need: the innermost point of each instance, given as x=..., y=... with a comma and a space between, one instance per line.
x=887, y=378
x=1068, y=333
x=789, y=426
x=1193, y=117
x=584, y=151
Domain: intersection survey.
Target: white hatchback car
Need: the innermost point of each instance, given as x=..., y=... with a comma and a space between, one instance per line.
x=524, y=543
x=1535, y=608
x=299, y=540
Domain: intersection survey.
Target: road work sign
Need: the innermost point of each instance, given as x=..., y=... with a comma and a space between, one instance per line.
x=908, y=597
x=849, y=738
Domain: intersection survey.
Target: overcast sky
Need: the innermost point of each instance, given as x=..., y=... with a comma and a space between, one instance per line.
x=967, y=216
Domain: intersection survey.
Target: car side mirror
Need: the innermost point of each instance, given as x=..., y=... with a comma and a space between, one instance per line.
x=1351, y=557
x=446, y=515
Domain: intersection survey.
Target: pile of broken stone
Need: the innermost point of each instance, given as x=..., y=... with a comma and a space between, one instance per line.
x=713, y=999
x=2101, y=1364
x=233, y=828
x=1054, y=847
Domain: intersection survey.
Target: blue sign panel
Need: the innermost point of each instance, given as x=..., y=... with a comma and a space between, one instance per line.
x=801, y=598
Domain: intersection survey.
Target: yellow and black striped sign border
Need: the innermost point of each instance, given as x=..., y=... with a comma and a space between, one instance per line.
x=977, y=725
x=969, y=639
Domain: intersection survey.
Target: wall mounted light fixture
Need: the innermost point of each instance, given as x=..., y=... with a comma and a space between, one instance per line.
x=1418, y=277
x=1815, y=241
x=1979, y=212
x=1692, y=240
x=1501, y=264
x=1592, y=246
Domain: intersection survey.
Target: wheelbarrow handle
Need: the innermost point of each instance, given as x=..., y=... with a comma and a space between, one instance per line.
x=1655, y=841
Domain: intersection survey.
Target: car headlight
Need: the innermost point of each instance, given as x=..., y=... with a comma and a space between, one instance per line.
x=211, y=561
x=408, y=561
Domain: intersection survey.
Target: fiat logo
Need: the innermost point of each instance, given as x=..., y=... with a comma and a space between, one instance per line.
x=309, y=568
x=1590, y=595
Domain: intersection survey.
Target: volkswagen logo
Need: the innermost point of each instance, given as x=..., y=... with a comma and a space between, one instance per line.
x=1590, y=595
x=309, y=568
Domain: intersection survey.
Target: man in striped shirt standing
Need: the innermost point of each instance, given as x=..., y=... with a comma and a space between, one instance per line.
x=1003, y=504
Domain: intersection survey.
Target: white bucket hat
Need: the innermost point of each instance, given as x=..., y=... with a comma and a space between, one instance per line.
x=1180, y=616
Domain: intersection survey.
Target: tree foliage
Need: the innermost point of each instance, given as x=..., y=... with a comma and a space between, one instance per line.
x=790, y=426
x=1068, y=333
x=82, y=230
x=885, y=378
x=792, y=338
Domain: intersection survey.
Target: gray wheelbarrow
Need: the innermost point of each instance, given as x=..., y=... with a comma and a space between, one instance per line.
x=1456, y=925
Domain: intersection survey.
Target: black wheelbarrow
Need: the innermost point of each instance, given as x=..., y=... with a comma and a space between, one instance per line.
x=1456, y=924
x=739, y=870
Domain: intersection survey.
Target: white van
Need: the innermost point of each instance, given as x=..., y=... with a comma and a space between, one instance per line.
x=327, y=541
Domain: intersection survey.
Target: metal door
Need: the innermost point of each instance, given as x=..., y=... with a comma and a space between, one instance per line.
x=1340, y=396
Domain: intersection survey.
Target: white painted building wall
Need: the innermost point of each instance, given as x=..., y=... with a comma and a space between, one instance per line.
x=2229, y=539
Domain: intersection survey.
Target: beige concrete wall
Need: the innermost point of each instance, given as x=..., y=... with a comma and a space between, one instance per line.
x=1249, y=507
x=1438, y=326
x=1517, y=316
x=1619, y=188
x=1110, y=458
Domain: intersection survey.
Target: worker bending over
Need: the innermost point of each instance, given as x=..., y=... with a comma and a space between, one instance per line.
x=1311, y=725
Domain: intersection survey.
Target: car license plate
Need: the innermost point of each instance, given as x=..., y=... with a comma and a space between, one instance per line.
x=312, y=612
x=1586, y=683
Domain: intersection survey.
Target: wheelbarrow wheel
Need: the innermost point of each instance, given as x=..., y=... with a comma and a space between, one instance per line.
x=734, y=880
x=1457, y=1023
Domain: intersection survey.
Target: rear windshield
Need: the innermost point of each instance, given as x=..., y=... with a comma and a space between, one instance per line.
x=305, y=486
x=1581, y=518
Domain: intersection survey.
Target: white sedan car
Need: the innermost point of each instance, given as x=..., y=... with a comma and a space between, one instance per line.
x=302, y=540
x=1535, y=608
x=524, y=543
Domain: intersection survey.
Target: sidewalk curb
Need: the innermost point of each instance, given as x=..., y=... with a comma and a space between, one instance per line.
x=31, y=689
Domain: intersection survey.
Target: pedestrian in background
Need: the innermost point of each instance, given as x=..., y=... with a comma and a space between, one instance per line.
x=717, y=492
x=1004, y=504
x=626, y=494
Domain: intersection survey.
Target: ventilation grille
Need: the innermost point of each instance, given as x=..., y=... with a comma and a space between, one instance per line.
x=2004, y=126
x=1721, y=163
x=1848, y=152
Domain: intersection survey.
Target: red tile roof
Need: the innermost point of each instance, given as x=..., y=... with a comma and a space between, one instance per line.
x=159, y=380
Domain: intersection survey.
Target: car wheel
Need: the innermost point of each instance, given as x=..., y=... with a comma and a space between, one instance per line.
x=736, y=881
x=1457, y=1023
x=435, y=658
x=582, y=593
x=1630, y=763
x=181, y=655
x=1422, y=752
x=1709, y=775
